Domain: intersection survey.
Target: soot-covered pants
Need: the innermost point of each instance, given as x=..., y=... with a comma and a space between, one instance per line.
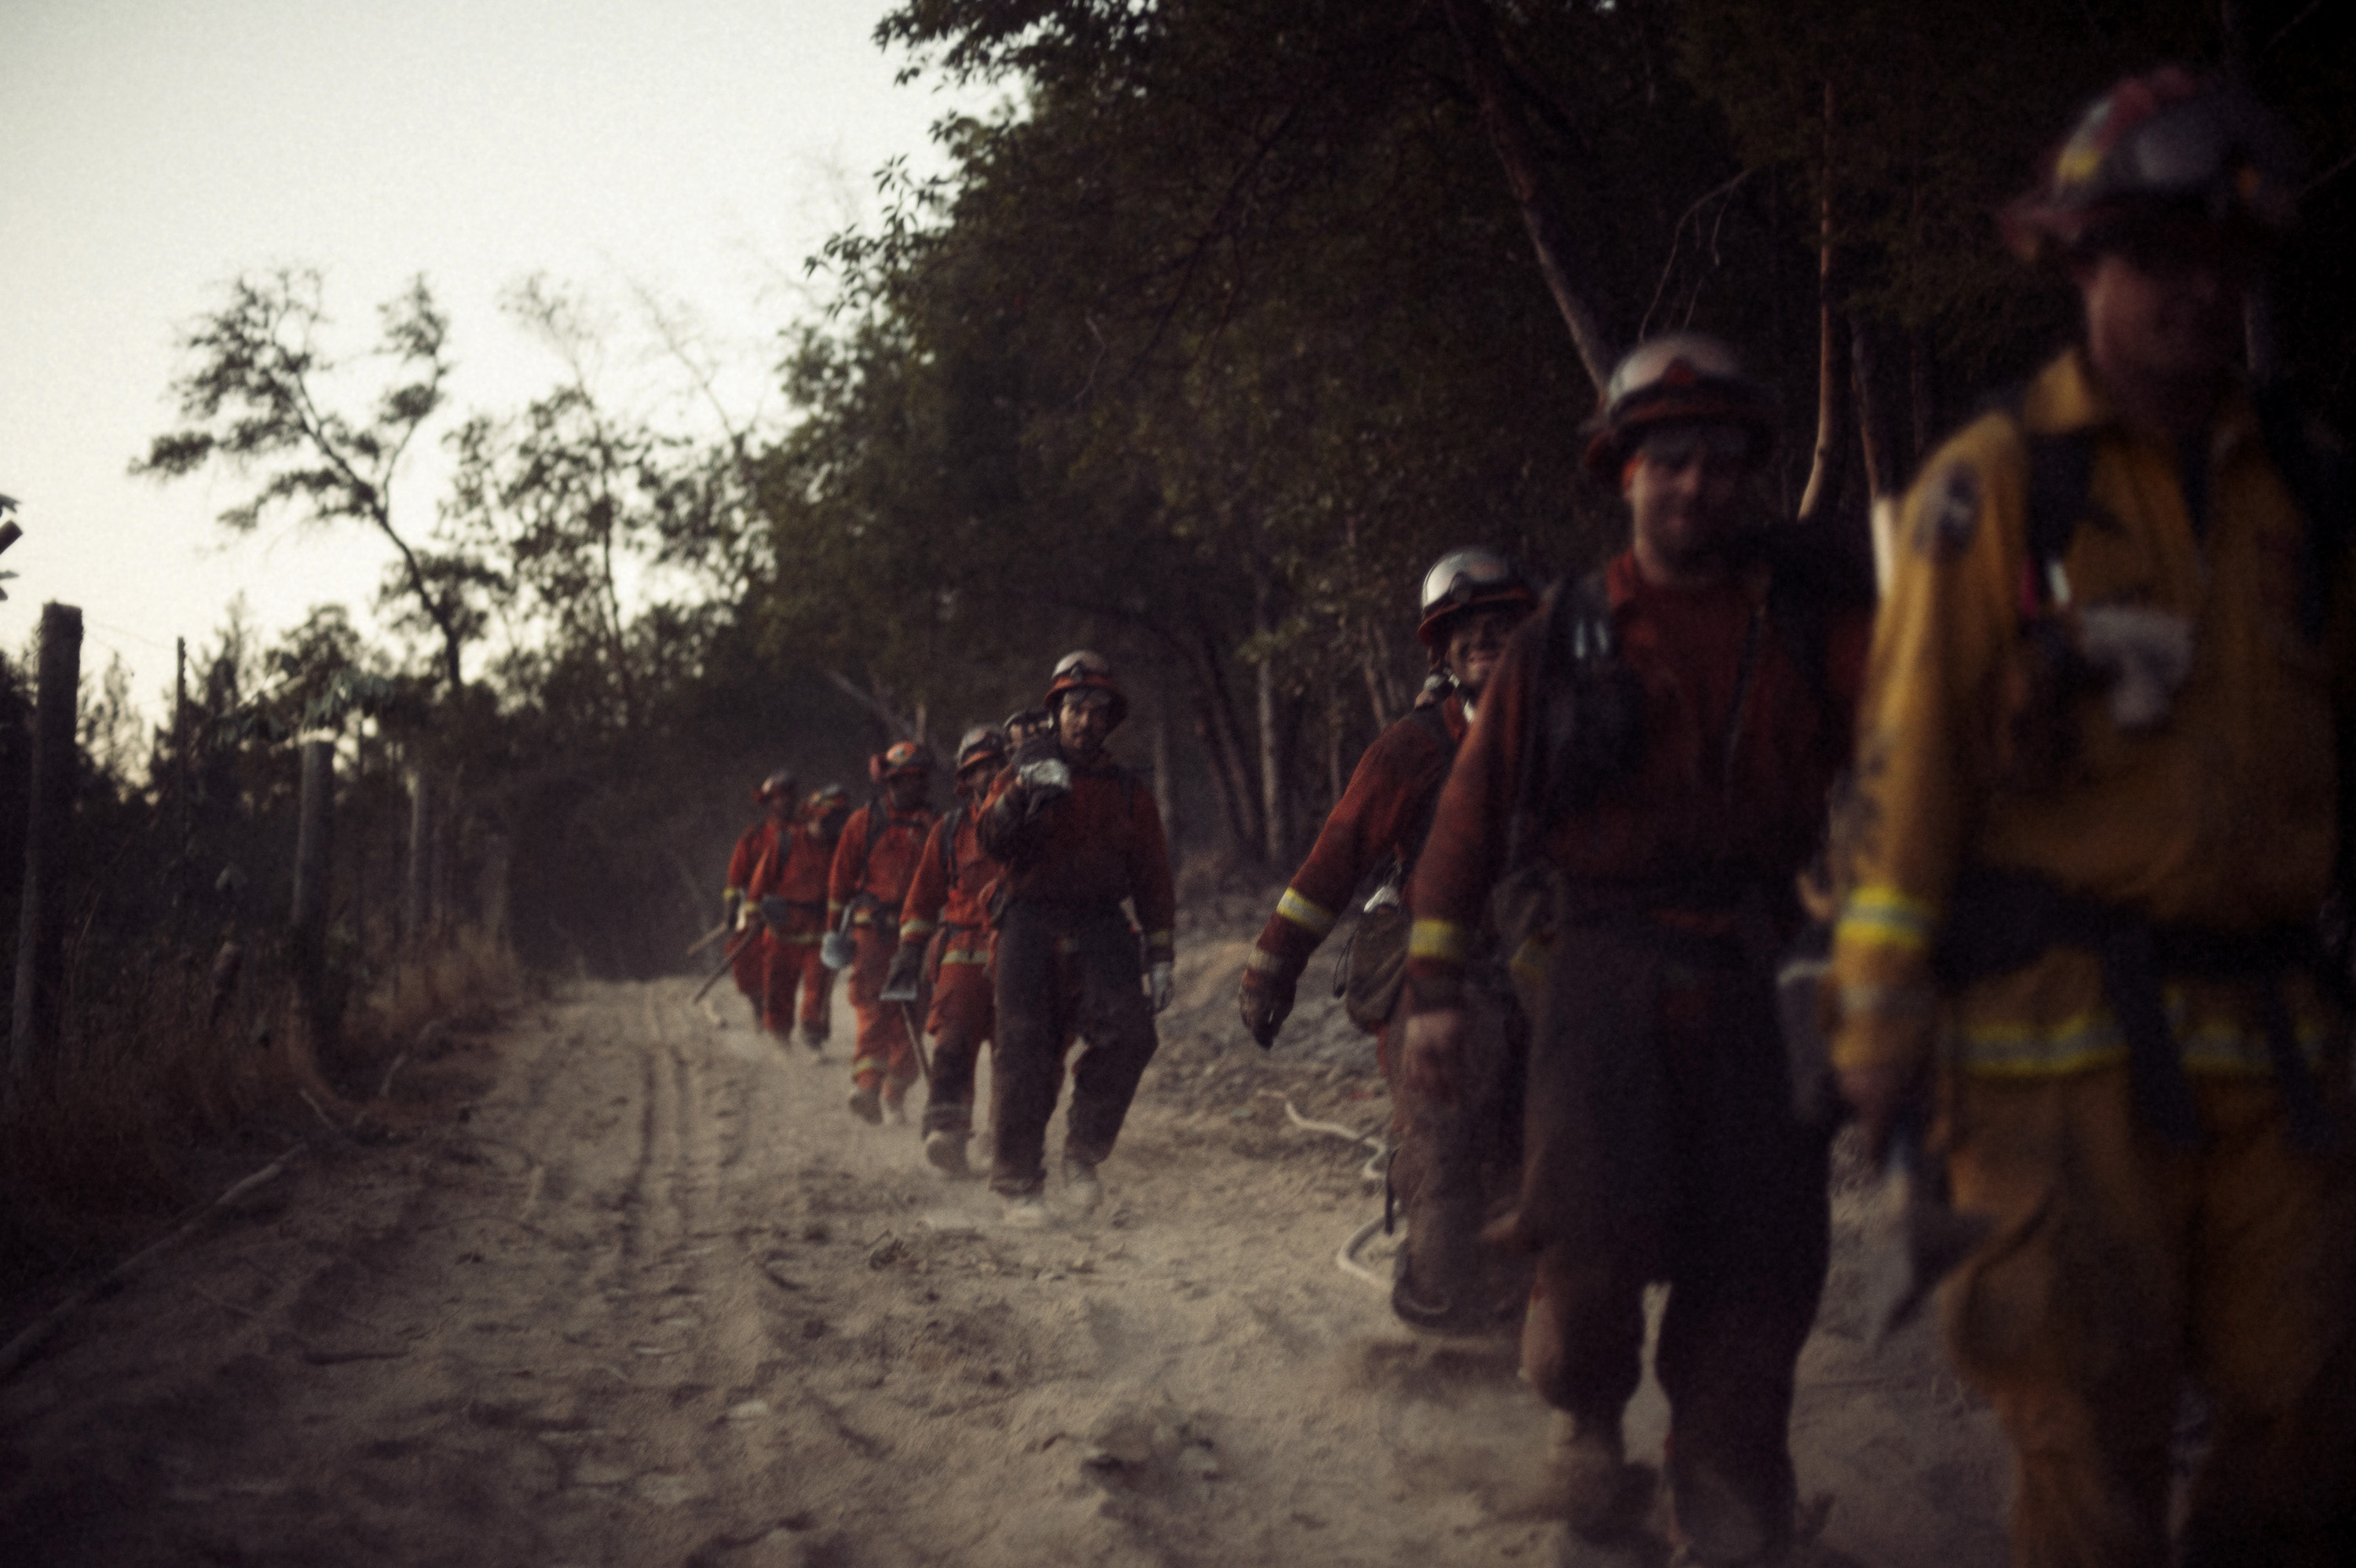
x=1065, y=969
x=1741, y=1231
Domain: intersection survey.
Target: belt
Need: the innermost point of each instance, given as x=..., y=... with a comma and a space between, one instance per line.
x=1999, y=922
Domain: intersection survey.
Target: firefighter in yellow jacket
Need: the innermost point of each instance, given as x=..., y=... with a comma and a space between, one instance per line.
x=2097, y=811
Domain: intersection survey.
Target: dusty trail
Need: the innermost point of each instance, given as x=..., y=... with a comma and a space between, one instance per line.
x=658, y=1300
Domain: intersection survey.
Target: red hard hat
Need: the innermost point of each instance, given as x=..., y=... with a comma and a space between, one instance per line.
x=2168, y=140
x=1466, y=580
x=1684, y=377
x=899, y=759
x=1085, y=671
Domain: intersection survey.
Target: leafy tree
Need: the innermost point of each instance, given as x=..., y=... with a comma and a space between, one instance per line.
x=254, y=394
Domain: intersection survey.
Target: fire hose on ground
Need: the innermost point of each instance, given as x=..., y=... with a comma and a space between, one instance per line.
x=1346, y=1258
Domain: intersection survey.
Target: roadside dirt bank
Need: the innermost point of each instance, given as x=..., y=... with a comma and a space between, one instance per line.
x=651, y=1296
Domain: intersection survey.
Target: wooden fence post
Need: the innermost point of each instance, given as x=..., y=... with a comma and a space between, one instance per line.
x=41, y=932
x=417, y=907
x=315, y=837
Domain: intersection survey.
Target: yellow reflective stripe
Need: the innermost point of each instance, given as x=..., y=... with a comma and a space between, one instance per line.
x=919, y=927
x=833, y=909
x=973, y=956
x=2092, y=1039
x=1884, y=917
x=1308, y=916
x=1439, y=941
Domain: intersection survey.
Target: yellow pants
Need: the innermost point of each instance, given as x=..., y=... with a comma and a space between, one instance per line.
x=2120, y=1267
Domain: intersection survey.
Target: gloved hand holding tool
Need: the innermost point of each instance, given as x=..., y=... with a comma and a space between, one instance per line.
x=836, y=951
x=1160, y=986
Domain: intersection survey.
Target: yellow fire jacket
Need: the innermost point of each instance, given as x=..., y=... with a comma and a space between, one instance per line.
x=2217, y=811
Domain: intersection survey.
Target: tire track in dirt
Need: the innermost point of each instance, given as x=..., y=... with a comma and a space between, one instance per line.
x=657, y=1299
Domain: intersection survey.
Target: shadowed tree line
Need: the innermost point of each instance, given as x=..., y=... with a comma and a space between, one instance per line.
x=1236, y=316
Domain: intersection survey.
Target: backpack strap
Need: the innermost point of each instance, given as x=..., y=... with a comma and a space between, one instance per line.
x=950, y=821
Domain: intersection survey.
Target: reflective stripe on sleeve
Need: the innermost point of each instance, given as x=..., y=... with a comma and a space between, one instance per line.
x=1439, y=941
x=915, y=928
x=1308, y=916
x=1884, y=917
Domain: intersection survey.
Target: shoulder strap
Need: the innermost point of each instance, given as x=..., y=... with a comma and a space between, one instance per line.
x=1435, y=723
x=1575, y=627
x=949, y=822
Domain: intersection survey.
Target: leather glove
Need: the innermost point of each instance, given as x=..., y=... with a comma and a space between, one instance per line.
x=1160, y=986
x=739, y=912
x=907, y=970
x=837, y=950
x=1265, y=999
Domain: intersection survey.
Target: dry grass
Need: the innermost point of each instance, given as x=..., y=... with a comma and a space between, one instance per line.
x=158, y=1091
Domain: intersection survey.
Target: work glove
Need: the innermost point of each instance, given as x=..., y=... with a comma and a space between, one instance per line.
x=1159, y=987
x=908, y=970
x=735, y=912
x=837, y=950
x=1041, y=772
x=1265, y=999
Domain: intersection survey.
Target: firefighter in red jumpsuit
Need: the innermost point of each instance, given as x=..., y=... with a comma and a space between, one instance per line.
x=1077, y=834
x=875, y=862
x=1647, y=775
x=748, y=944
x=1459, y=1160
x=955, y=880
x=788, y=893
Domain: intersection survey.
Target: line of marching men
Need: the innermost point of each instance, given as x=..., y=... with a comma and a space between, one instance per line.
x=2099, y=735
x=2080, y=955
x=1000, y=922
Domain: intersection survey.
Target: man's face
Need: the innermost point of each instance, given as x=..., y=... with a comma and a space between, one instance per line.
x=906, y=791
x=2165, y=303
x=1083, y=719
x=1685, y=493
x=780, y=809
x=1476, y=641
x=975, y=777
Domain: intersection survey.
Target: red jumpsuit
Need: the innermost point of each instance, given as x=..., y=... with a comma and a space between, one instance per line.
x=1663, y=1142
x=875, y=862
x=1458, y=1161
x=955, y=878
x=750, y=963
x=797, y=878
x=1067, y=961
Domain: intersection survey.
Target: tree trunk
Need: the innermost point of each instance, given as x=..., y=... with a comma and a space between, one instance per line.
x=1485, y=69
x=1216, y=725
x=1165, y=801
x=1271, y=774
x=1830, y=464
x=1883, y=476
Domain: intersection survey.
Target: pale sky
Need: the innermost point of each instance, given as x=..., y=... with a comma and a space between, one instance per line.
x=150, y=150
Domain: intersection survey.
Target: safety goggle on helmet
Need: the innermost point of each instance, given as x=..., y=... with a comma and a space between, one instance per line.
x=1085, y=672
x=899, y=760
x=2166, y=144
x=778, y=785
x=1685, y=378
x=982, y=743
x=1466, y=580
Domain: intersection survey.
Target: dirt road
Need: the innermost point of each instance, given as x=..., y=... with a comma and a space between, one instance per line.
x=657, y=1299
